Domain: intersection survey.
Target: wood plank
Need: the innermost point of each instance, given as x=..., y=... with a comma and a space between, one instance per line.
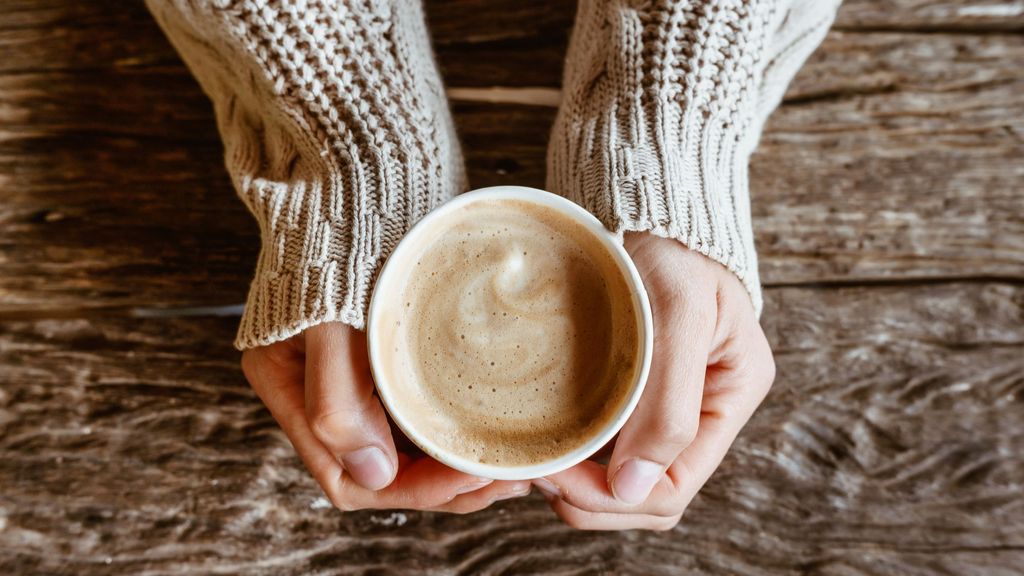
x=896, y=157
x=514, y=43
x=891, y=444
x=478, y=42
x=976, y=16
x=58, y=35
x=481, y=21
x=96, y=219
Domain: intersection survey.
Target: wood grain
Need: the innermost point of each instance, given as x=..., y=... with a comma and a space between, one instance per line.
x=478, y=42
x=891, y=444
x=917, y=16
x=912, y=143
x=888, y=204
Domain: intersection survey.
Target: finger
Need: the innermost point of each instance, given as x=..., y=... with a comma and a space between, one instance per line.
x=484, y=497
x=421, y=484
x=741, y=351
x=585, y=486
x=279, y=386
x=583, y=520
x=736, y=387
x=666, y=419
x=343, y=412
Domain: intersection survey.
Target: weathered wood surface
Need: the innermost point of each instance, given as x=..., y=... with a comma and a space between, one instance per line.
x=889, y=207
x=892, y=444
x=897, y=154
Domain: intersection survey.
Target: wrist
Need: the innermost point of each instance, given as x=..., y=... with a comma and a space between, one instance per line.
x=689, y=268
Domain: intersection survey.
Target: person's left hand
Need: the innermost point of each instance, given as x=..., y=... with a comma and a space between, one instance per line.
x=712, y=367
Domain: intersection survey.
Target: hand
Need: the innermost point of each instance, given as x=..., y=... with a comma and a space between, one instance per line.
x=318, y=387
x=712, y=367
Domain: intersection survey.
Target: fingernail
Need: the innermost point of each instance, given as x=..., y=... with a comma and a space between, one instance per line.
x=369, y=467
x=635, y=479
x=547, y=488
x=480, y=483
x=517, y=493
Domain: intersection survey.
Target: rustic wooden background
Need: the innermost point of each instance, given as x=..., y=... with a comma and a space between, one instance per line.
x=889, y=211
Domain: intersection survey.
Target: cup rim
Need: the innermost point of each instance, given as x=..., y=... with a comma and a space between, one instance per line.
x=641, y=305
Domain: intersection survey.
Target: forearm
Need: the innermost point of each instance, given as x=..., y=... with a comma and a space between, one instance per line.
x=337, y=137
x=662, y=107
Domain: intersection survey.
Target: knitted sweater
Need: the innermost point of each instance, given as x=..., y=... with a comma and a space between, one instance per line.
x=338, y=137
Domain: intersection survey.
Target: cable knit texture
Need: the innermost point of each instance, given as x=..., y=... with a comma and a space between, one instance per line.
x=663, y=103
x=337, y=136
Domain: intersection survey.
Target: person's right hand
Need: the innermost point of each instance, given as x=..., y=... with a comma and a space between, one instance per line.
x=318, y=387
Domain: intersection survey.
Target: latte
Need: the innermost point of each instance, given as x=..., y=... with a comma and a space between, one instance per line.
x=515, y=338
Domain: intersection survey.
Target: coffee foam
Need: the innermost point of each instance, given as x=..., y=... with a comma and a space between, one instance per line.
x=516, y=338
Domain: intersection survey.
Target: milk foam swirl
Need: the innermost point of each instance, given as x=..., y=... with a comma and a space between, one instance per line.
x=519, y=332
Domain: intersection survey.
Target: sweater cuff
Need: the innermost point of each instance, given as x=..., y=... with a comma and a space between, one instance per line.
x=327, y=226
x=312, y=266
x=686, y=180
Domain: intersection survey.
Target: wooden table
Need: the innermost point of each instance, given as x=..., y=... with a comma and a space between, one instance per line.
x=889, y=211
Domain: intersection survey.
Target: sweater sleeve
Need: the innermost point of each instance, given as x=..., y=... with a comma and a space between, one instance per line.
x=663, y=103
x=336, y=135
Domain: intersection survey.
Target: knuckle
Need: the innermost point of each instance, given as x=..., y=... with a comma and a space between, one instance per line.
x=328, y=424
x=344, y=505
x=753, y=364
x=771, y=371
x=340, y=503
x=763, y=346
x=267, y=365
x=331, y=418
x=678, y=431
x=576, y=520
x=250, y=365
x=335, y=494
x=701, y=315
x=339, y=495
x=768, y=370
x=569, y=497
x=672, y=504
x=687, y=297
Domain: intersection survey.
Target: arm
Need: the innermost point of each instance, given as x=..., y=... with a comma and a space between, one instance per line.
x=337, y=137
x=663, y=105
x=662, y=108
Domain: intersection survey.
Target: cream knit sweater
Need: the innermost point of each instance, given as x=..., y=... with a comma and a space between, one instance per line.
x=338, y=137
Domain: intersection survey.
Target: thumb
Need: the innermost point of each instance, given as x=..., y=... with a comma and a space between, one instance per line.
x=343, y=412
x=666, y=419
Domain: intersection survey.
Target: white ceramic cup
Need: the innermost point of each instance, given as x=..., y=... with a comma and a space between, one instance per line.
x=388, y=294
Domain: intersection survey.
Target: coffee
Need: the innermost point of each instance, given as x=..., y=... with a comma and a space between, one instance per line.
x=516, y=338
